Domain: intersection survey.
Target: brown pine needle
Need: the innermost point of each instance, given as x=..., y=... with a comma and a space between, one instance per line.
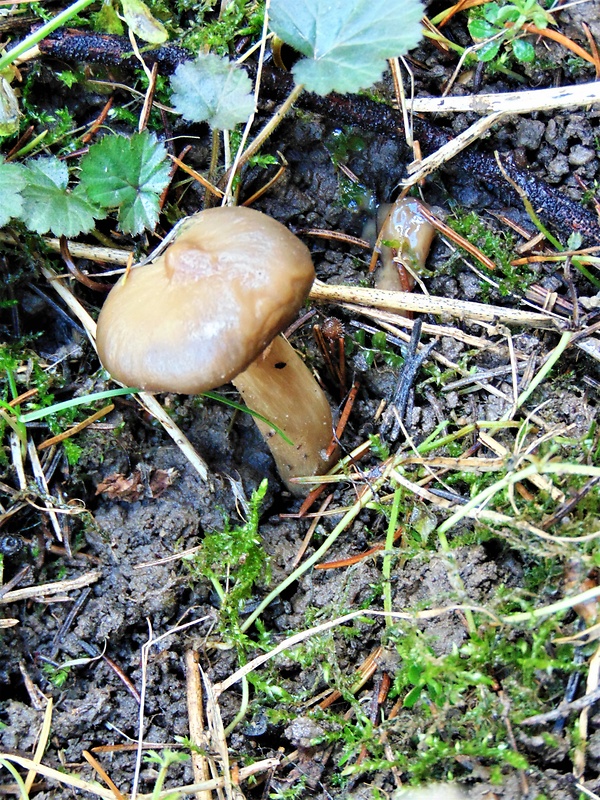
x=460, y=6
x=347, y=562
x=336, y=236
x=197, y=176
x=556, y=36
x=593, y=48
x=103, y=774
x=366, y=671
x=76, y=428
x=264, y=189
x=100, y=120
x=344, y=418
x=22, y=397
x=457, y=238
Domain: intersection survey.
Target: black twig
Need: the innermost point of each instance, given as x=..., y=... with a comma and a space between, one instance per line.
x=564, y=709
x=414, y=360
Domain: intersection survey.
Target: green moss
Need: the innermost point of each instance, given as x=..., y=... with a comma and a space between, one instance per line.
x=498, y=246
x=218, y=33
x=234, y=560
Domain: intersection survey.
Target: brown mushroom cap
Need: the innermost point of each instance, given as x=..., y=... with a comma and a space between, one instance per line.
x=207, y=306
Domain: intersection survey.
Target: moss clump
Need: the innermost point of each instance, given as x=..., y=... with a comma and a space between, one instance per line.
x=499, y=246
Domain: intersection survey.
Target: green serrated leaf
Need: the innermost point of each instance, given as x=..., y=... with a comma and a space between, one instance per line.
x=523, y=51
x=128, y=174
x=49, y=205
x=541, y=19
x=346, y=42
x=139, y=18
x=211, y=89
x=507, y=14
x=12, y=181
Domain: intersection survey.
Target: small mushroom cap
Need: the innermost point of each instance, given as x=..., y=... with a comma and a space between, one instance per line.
x=207, y=306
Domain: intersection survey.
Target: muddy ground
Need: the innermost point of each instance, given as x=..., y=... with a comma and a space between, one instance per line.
x=118, y=535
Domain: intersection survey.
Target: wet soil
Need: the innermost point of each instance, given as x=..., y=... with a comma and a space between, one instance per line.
x=128, y=537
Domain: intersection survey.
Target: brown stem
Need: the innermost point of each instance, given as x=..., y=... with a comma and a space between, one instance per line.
x=279, y=386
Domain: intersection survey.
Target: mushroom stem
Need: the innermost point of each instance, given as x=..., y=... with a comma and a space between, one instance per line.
x=279, y=386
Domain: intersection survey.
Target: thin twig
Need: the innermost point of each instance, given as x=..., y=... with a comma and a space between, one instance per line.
x=563, y=710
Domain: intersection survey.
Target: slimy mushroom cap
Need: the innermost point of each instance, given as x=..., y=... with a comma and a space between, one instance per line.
x=207, y=306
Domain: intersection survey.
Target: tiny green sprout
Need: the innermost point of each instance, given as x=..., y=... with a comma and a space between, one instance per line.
x=238, y=554
x=294, y=792
x=379, y=448
x=189, y=745
x=164, y=760
x=56, y=674
x=107, y=19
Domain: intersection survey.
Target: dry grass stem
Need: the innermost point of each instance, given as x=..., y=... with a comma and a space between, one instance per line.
x=17, y=460
x=195, y=706
x=217, y=736
x=298, y=638
x=405, y=301
x=40, y=747
x=93, y=788
x=593, y=678
x=40, y=479
x=167, y=559
x=243, y=152
x=537, y=480
x=92, y=252
x=146, y=648
x=564, y=97
x=47, y=590
x=485, y=345
x=401, y=99
x=420, y=169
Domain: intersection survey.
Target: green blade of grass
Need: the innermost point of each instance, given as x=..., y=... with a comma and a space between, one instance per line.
x=74, y=401
x=41, y=33
x=239, y=407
